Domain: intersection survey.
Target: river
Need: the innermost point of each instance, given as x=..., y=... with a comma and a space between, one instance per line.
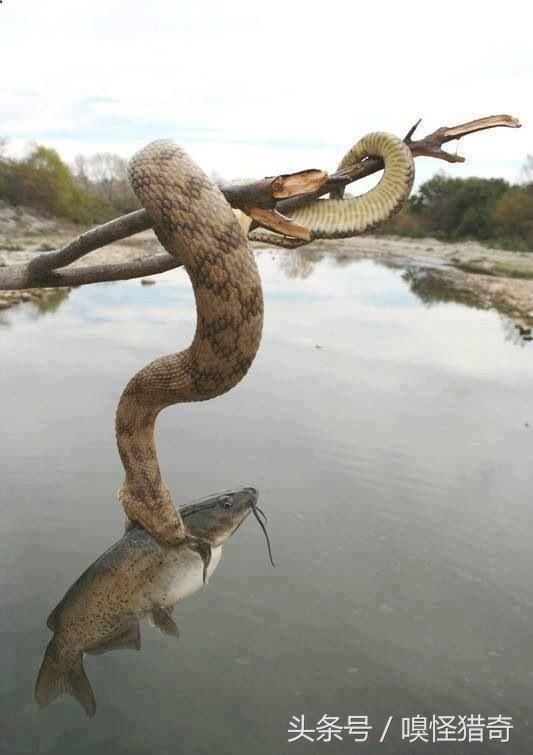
x=391, y=440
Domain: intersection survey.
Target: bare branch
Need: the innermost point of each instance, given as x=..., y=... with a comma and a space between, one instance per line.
x=279, y=223
x=266, y=201
x=257, y=199
x=267, y=191
x=102, y=235
x=480, y=124
x=412, y=130
x=15, y=277
x=429, y=146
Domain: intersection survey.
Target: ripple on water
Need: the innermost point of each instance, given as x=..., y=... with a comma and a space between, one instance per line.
x=395, y=468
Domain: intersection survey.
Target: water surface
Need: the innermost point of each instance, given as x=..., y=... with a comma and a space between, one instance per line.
x=392, y=444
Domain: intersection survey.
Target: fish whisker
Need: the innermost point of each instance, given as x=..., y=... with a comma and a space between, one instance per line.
x=260, y=511
x=256, y=511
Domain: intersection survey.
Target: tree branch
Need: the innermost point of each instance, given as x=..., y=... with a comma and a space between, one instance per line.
x=257, y=199
x=429, y=146
x=17, y=277
x=265, y=201
x=102, y=235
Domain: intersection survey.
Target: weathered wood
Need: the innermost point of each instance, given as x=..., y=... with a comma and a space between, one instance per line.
x=253, y=198
x=428, y=146
x=275, y=221
x=16, y=277
x=431, y=146
x=102, y=235
x=266, y=201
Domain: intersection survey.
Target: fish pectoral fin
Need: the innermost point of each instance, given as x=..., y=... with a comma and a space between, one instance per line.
x=54, y=681
x=203, y=549
x=129, y=639
x=161, y=618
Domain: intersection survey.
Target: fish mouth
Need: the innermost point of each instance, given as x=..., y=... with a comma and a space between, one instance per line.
x=261, y=517
x=249, y=503
x=212, y=500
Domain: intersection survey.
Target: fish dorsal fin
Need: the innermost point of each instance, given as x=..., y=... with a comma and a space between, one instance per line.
x=161, y=618
x=129, y=639
x=51, y=620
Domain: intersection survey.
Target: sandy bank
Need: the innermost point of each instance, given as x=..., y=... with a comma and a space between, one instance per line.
x=467, y=272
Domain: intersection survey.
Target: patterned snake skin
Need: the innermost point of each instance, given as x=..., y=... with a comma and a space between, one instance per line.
x=193, y=221
x=338, y=218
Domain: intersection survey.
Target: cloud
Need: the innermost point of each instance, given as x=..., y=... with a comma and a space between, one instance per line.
x=258, y=82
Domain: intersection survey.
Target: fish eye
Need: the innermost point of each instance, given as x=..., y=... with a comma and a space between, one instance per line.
x=226, y=501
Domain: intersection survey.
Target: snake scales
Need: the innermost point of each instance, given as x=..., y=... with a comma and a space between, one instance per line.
x=193, y=221
x=338, y=218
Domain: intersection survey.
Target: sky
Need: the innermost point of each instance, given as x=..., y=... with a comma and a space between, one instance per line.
x=259, y=88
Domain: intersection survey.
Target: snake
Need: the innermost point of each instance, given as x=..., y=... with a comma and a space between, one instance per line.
x=194, y=222
x=339, y=217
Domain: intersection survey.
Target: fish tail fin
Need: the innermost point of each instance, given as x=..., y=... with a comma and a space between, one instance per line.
x=53, y=680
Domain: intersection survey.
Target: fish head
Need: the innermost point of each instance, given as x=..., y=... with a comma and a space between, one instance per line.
x=216, y=517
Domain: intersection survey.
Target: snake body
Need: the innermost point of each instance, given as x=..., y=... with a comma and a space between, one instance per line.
x=338, y=218
x=193, y=221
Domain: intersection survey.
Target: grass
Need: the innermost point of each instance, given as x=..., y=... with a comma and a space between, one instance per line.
x=516, y=269
x=8, y=247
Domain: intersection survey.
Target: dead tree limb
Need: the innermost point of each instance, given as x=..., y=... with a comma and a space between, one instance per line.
x=257, y=199
x=266, y=201
x=102, y=235
x=428, y=146
x=17, y=277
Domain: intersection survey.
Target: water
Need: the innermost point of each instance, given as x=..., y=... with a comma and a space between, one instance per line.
x=394, y=463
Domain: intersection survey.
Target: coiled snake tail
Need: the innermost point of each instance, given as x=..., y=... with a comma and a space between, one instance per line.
x=338, y=218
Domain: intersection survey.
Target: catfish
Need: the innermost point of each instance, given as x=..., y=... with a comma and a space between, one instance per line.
x=135, y=578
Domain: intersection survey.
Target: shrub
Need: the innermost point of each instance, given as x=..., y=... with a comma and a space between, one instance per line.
x=41, y=180
x=512, y=216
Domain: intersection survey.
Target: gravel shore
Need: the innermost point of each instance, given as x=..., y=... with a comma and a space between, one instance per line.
x=467, y=272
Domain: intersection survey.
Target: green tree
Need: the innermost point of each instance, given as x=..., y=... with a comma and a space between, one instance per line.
x=455, y=208
x=43, y=181
x=512, y=216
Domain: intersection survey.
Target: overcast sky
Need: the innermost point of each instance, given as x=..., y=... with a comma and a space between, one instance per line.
x=253, y=88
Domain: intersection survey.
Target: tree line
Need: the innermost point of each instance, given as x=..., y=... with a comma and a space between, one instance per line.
x=95, y=189
x=490, y=210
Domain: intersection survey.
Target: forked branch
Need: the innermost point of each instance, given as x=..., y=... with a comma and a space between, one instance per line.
x=431, y=146
x=266, y=201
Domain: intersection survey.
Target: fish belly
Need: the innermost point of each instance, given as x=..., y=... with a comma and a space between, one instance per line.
x=188, y=577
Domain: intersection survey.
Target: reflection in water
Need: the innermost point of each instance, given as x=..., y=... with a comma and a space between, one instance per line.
x=52, y=301
x=38, y=302
x=515, y=332
x=431, y=286
x=299, y=263
x=435, y=286
x=136, y=577
x=395, y=465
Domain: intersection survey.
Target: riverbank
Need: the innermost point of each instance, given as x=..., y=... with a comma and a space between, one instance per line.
x=466, y=272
